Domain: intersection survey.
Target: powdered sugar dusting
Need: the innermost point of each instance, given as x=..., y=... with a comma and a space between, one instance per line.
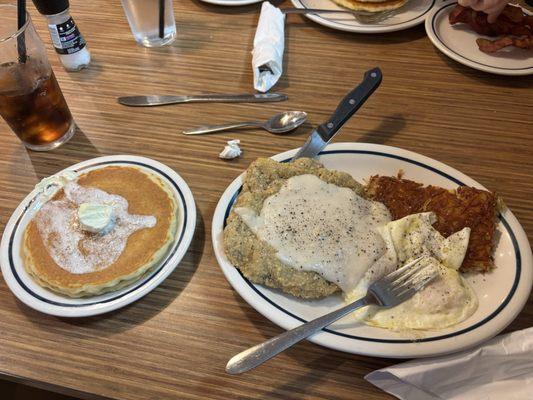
x=75, y=250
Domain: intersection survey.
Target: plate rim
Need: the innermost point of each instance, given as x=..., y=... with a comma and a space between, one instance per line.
x=366, y=29
x=140, y=288
x=231, y=3
x=442, y=47
x=393, y=350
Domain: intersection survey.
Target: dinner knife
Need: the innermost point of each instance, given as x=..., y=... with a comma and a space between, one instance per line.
x=147, y=101
x=347, y=107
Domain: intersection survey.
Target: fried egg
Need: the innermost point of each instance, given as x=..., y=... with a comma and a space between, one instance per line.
x=446, y=301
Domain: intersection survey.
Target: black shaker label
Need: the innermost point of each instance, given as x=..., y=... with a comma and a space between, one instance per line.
x=66, y=37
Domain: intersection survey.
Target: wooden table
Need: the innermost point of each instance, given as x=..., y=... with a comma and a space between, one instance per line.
x=175, y=342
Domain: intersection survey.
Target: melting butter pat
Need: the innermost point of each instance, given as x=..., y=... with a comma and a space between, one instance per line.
x=94, y=217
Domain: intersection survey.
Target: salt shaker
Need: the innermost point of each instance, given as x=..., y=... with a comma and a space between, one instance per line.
x=68, y=41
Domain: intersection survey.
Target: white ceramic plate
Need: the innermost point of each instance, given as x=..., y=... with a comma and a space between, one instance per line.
x=459, y=43
x=411, y=14
x=48, y=302
x=502, y=293
x=232, y=2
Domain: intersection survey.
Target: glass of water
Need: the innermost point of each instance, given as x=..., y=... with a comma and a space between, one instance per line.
x=151, y=21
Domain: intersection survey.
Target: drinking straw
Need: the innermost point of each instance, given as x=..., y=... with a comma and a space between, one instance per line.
x=161, y=18
x=21, y=20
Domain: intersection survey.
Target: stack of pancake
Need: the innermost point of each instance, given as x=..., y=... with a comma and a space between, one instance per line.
x=145, y=194
x=371, y=5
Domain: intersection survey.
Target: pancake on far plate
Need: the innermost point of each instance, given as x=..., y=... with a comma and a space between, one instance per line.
x=100, y=231
x=311, y=232
x=371, y=5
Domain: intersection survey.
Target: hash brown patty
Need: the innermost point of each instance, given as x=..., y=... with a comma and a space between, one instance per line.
x=455, y=209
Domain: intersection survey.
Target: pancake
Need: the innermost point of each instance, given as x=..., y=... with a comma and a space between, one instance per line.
x=63, y=257
x=371, y=5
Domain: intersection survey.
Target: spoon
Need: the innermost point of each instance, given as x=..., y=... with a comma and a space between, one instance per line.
x=280, y=123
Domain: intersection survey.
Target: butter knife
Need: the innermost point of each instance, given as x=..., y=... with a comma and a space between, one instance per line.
x=347, y=107
x=147, y=101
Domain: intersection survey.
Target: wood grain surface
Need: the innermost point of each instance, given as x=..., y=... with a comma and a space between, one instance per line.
x=175, y=342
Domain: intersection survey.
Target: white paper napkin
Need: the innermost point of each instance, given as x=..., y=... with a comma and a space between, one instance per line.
x=501, y=369
x=269, y=43
x=231, y=150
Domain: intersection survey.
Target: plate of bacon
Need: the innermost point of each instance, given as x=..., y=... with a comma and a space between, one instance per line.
x=504, y=47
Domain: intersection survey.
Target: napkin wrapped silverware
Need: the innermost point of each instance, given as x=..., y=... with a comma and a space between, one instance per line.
x=502, y=368
x=269, y=43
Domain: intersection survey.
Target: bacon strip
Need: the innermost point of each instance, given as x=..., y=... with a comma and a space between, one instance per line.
x=491, y=46
x=515, y=26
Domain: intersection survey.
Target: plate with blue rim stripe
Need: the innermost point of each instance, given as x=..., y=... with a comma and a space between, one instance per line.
x=232, y=3
x=41, y=299
x=459, y=43
x=502, y=293
x=412, y=13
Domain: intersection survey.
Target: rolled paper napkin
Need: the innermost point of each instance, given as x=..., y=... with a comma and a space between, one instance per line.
x=502, y=368
x=269, y=43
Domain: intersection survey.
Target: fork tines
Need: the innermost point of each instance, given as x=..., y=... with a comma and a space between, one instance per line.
x=412, y=277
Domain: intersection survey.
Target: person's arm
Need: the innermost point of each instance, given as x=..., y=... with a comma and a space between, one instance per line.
x=492, y=8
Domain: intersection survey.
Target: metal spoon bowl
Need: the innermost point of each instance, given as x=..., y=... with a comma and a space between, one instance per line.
x=279, y=124
x=285, y=122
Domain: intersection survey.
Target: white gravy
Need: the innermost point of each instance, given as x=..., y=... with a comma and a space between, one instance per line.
x=317, y=226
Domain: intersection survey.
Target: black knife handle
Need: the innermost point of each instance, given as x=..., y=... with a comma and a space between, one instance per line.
x=350, y=104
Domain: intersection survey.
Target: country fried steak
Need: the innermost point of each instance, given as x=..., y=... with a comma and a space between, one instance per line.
x=455, y=209
x=255, y=258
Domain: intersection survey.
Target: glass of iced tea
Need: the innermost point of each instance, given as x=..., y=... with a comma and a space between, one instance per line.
x=31, y=101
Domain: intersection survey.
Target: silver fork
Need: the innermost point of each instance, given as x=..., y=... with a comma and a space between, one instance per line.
x=362, y=16
x=389, y=291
